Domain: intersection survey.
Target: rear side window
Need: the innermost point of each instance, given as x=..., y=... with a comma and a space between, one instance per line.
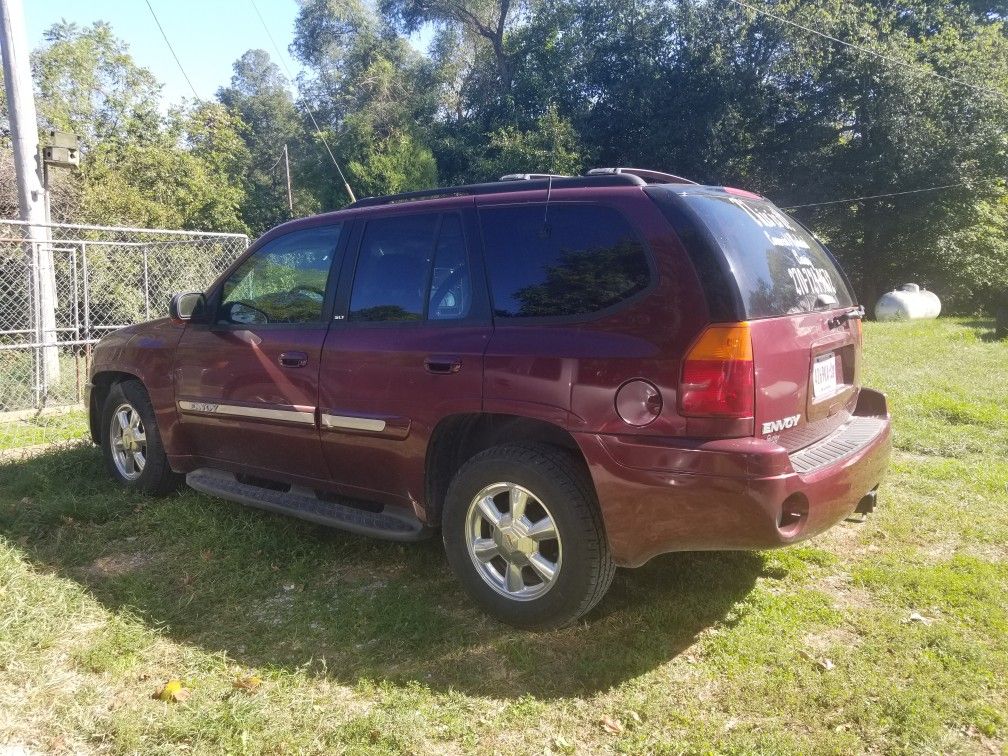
x=392, y=268
x=411, y=267
x=574, y=259
x=779, y=267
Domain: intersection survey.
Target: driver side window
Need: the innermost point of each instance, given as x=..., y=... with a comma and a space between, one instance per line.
x=284, y=281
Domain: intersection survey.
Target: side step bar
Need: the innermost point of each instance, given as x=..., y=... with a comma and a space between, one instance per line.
x=305, y=504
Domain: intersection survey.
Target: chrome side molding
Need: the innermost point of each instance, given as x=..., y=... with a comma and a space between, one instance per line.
x=304, y=415
x=344, y=422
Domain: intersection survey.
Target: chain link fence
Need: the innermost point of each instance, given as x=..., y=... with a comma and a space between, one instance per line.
x=62, y=287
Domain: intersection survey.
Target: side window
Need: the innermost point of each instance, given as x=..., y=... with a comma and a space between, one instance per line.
x=582, y=259
x=392, y=266
x=284, y=281
x=410, y=267
x=450, y=289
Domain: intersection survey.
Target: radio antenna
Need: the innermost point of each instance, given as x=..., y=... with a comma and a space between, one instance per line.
x=545, y=233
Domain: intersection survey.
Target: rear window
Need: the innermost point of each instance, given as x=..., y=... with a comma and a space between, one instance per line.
x=573, y=259
x=779, y=267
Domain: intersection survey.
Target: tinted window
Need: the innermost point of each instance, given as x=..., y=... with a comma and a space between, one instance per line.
x=391, y=278
x=284, y=281
x=450, y=289
x=578, y=259
x=780, y=268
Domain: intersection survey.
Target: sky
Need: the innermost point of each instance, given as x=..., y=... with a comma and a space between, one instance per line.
x=208, y=35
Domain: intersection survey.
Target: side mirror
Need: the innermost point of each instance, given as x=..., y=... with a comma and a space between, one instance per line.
x=187, y=306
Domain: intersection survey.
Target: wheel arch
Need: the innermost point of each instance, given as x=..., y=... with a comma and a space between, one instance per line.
x=101, y=384
x=458, y=438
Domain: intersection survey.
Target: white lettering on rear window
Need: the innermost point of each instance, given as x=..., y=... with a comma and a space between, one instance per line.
x=811, y=280
x=781, y=232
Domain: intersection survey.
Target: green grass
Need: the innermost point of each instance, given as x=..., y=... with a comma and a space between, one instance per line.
x=46, y=428
x=370, y=647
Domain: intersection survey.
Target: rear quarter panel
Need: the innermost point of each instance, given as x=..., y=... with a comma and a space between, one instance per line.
x=568, y=372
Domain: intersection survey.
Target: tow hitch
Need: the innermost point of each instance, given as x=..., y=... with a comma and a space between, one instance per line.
x=867, y=504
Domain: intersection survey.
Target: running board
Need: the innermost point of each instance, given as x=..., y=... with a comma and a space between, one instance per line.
x=304, y=503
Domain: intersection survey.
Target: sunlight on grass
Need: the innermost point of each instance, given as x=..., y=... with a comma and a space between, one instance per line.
x=888, y=636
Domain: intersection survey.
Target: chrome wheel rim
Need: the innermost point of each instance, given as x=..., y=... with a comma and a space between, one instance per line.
x=128, y=441
x=513, y=541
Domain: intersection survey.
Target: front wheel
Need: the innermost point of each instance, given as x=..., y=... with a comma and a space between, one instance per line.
x=131, y=442
x=524, y=537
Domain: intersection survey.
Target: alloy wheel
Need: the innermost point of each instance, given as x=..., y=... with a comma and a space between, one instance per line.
x=513, y=541
x=128, y=441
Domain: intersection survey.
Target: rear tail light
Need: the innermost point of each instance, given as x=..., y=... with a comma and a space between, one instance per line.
x=718, y=375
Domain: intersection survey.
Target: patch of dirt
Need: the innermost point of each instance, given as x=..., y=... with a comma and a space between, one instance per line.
x=846, y=538
x=943, y=551
x=845, y=595
x=369, y=574
x=119, y=564
x=822, y=642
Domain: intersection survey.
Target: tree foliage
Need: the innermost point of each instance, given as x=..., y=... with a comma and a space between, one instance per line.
x=709, y=90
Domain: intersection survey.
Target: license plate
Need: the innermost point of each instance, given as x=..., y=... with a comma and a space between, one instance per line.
x=824, y=375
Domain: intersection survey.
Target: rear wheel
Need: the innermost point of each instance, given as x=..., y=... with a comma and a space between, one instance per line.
x=523, y=535
x=131, y=442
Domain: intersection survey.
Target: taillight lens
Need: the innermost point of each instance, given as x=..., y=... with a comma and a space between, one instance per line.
x=717, y=375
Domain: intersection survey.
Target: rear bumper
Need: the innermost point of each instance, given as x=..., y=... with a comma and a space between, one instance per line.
x=659, y=495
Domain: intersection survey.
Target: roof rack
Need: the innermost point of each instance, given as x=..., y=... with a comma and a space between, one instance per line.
x=504, y=187
x=531, y=176
x=649, y=176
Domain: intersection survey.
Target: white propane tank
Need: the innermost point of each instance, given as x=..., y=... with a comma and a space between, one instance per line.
x=909, y=302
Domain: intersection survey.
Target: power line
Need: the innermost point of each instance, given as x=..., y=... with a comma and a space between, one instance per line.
x=914, y=69
x=852, y=200
x=172, y=49
x=280, y=57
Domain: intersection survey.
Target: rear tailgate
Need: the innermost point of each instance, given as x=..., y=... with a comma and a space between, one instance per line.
x=806, y=337
x=807, y=375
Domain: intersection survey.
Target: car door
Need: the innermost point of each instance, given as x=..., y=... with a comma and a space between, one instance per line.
x=246, y=381
x=405, y=350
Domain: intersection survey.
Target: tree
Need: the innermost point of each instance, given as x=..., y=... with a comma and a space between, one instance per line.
x=182, y=177
x=88, y=84
x=138, y=167
x=260, y=98
x=486, y=20
x=373, y=92
x=550, y=146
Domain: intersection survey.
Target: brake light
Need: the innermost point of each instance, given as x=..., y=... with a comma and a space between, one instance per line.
x=718, y=376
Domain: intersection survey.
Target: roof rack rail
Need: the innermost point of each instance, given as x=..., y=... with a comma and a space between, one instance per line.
x=532, y=176
x=651, y=177
x=503, y=187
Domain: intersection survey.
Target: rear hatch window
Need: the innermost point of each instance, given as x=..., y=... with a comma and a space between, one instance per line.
x=781, y=280
x=779, y=267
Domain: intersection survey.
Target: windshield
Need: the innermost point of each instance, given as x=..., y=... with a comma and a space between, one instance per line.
x=780, y=268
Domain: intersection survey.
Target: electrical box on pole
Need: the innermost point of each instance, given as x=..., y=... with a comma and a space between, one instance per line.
x=61, y=150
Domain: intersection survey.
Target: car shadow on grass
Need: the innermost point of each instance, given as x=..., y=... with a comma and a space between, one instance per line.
x=273, y=593
x=984, y=329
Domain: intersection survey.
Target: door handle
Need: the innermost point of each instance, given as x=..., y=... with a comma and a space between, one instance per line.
x=293, y=359
x=443, y=365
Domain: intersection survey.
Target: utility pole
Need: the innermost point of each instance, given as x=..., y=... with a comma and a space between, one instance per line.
x=31, y=196
x=290, y=196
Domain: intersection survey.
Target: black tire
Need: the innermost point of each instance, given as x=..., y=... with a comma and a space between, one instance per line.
x=551, y=476
x=156, y=478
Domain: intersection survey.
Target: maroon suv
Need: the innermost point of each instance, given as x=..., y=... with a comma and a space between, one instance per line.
x=563, y=374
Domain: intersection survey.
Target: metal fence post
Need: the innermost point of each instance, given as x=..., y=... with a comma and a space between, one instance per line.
x=146, y=276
